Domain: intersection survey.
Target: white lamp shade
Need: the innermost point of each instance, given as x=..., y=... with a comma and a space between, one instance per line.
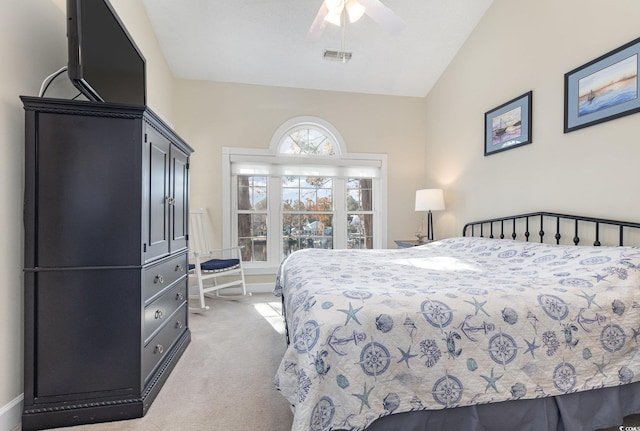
x=429, y=200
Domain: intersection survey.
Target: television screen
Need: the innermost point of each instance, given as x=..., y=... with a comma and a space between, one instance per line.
x=104, y=62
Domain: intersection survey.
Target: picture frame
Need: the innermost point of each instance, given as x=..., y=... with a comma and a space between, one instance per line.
x=508, y=125
x=603, y=89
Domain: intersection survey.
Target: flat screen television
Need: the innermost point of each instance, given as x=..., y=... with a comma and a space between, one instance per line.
x=104, y=62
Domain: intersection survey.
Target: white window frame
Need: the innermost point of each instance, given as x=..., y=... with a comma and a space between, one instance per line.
x=348, y=164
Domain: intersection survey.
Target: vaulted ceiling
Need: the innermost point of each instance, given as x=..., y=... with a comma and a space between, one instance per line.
x=264, y=42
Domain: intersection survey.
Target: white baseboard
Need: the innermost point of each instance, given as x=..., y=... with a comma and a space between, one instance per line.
x=251, y=288
x=260, y=287
x=11, y=414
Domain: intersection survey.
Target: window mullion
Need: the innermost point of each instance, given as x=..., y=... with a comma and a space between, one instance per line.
x=275, y=221
x=234, y=212
x=340, y=213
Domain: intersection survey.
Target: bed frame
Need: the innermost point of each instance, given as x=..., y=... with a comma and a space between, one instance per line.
x=520, y=226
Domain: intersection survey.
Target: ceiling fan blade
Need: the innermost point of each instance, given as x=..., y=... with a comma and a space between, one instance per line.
x=383, y=16
x=318, y=25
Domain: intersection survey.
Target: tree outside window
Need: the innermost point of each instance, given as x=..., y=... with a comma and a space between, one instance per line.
x=307, y=213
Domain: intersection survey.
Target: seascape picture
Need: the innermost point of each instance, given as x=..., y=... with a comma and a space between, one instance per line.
x=506, y=127
x=611, y=86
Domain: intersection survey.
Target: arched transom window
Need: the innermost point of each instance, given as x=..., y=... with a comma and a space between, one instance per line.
x=308, y=140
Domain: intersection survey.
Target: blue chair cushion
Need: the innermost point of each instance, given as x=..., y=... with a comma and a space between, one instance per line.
x=217, y=264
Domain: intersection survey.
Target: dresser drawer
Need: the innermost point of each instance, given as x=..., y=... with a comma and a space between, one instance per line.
x=156, y=313
x=160, y=345
x=159, y=276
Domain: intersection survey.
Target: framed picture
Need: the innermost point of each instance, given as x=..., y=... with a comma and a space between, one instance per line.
x=508, y=126
x=603, y=89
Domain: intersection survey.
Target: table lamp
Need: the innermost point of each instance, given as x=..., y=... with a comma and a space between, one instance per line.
x=429, y=200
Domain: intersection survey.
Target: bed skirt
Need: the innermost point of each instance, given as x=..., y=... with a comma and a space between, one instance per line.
x=580, y=411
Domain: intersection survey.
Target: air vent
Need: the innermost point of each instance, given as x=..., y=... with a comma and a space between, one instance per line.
x=342, y=56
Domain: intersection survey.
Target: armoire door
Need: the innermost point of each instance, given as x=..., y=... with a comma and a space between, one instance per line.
x=180, y=194
x=157, y=195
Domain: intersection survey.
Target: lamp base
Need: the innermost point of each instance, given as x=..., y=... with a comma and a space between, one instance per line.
x=421, y=236
x=429, y=226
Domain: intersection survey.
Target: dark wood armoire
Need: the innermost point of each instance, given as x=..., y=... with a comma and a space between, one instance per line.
x=105, y=260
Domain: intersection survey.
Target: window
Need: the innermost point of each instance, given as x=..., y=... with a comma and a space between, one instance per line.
x=306, y=192
x=360, y=212
x=307, y=140
x=252, y=217
x=307, y=213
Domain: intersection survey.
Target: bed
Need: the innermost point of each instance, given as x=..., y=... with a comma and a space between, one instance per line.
x=469, y=333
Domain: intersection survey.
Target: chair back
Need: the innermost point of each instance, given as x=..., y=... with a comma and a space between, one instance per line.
x=199, y=239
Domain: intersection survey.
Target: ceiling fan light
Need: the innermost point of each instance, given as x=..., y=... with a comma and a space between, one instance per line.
x=355, y=10
x=334, y=17
x=334, y=6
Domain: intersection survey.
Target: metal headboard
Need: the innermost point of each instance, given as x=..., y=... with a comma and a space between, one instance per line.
x=518, y=227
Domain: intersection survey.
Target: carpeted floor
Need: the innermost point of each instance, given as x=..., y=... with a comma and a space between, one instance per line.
x=224, y=381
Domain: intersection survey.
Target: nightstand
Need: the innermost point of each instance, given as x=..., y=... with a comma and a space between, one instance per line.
x=401, y=243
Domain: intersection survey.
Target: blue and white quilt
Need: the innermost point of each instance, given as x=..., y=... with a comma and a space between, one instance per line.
x=453, y=323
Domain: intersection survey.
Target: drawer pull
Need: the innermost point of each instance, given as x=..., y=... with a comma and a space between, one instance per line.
x=179, y=296
x=159, y=279
x=158, y=314
x=159, y=348
x=179, y=324
x=179, y=268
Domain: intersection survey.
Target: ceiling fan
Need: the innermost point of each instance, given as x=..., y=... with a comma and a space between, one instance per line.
x=335, y=12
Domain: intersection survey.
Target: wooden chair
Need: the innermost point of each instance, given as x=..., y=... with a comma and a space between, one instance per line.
x=211, y=270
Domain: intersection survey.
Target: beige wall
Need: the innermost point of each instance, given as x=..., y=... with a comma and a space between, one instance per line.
x=216, y=115
x=523, y=45
x=33, y=45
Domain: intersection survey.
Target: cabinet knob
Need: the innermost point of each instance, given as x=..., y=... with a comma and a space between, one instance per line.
x=159, y=279
x=170, y=200
x=158, y=314
x=159, y=348
x=179, y=268
x=179, y=296
x=179, y=324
